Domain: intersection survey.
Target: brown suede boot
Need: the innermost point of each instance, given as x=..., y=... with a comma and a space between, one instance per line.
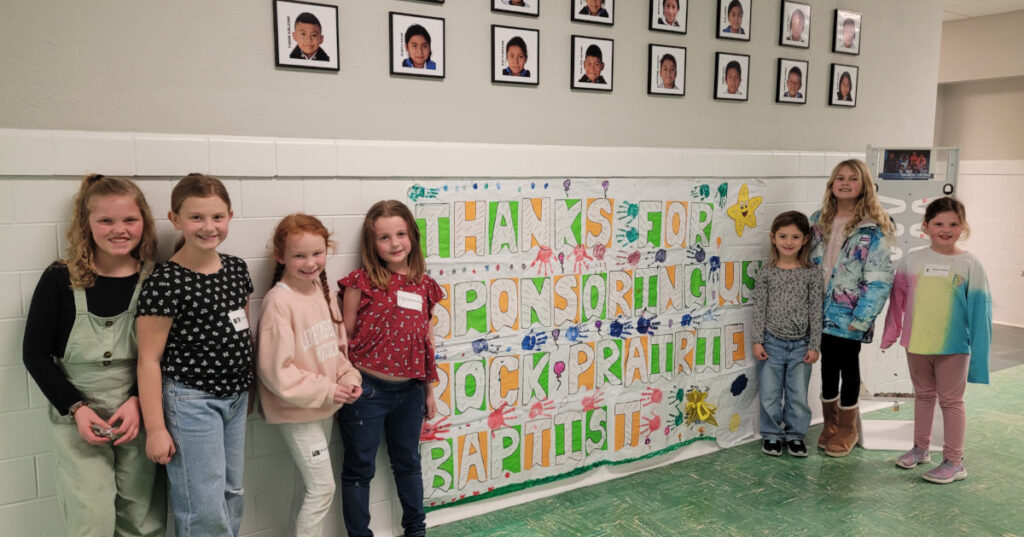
x=846, y=435
x=830, y=411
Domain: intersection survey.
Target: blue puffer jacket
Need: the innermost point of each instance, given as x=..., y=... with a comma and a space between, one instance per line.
x=860, y=281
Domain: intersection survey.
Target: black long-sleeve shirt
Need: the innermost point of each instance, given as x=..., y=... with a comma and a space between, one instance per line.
x=50, y=318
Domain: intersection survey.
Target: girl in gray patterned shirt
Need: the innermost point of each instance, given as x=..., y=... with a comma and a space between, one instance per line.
x=787, y=334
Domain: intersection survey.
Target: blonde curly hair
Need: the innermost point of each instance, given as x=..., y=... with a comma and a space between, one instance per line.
x=81, y=250
x=867, y=207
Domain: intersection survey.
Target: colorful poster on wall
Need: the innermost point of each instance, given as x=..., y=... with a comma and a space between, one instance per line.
x=585, y=322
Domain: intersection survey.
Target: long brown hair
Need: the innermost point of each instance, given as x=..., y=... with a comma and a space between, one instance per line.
x=294, y=224
x=866, y=208
x=798, y=219
x=81, y=250
x=376, y=269
x=199, y=186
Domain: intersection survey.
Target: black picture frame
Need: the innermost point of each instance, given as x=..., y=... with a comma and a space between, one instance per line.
x=578, y=79
x=788, y=17
x=656, y=58
x=501, y=73
x=835, y=97
x=723, y=25
x=531, y=8
x=579, y=12
x=785, y=73
x=399, y=59
x=659, y=23
x=844, y=18
x=287, y=50
x=723, y=63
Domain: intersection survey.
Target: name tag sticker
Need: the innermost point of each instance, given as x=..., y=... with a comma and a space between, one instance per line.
x=318, y=452
x=410, y=301
x=936, y=271
x=239, y=320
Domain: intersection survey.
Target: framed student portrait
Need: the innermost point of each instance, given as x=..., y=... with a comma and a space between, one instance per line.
x=592, y=60
x=306, y=35
x=791, y=84
x=515, y=55
x=417, y=45
x=795, y=27
x=731, y=76
x=666, y=71
x=843, y=85
x=846, y=32
x=733, y=20
x=669, y=15
x=593, y=11
x=521, y=7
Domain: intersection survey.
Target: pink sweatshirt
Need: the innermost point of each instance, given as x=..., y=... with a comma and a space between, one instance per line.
x=302, y=354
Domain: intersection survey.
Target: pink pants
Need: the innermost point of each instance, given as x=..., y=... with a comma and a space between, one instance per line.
x=943, y=376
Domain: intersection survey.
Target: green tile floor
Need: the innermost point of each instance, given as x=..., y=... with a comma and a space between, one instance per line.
x=742, y=492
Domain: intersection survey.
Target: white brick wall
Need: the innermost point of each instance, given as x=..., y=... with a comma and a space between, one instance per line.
x=267, y=178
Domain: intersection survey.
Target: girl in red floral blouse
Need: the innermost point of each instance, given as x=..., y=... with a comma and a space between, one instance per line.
x=386, y=309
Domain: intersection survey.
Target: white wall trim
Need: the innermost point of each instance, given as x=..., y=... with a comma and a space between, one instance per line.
x=29, y=152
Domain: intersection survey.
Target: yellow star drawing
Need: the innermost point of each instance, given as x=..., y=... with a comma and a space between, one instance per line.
x=743, y=211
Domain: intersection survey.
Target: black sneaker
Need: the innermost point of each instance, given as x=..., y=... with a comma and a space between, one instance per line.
x=796, y=448
x=772, y=447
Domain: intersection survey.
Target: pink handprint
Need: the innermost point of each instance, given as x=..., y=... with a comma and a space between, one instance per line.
x=544, y=258
x=591, y=402
x=580, y=258
x=649, y=425
x=434, y=431
x=651, y=396
x=499, y=416
x=541, y=408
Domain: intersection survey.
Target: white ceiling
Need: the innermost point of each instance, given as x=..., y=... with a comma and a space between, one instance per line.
x=962, y=9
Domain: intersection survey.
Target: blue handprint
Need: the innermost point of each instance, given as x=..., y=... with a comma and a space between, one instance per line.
x=687, y=320
x=696, y=253
x=575, y=333
x=533, y=340
x=619, y=329
x=483, y=345
x=645, y=324
x=416, y=192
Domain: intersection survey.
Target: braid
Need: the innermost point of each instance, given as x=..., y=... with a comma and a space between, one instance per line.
x=326, y=289
x=278, y=272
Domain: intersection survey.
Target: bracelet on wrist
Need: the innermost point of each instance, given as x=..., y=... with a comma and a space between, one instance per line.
x=74, y=408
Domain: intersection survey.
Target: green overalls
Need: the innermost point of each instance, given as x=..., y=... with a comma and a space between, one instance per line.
x=105, y=490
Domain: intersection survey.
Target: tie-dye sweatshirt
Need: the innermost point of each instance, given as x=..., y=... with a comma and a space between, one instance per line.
x=941, y=304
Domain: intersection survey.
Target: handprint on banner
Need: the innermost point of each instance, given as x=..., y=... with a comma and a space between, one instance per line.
x=649, y=425
x=631, y=259
x=714, y=275
x=628, y=212
x=500, y=417
x=620, y=329
x=541, y=408
x=723, y=195
x=543, y=260
x=580, y=258
x=484, y=345
x=647, y=325
x=434, y=430
x=696, y=253
x=627, y=236
x=700, y=192
x=417, y=192
x=533, y=340
x=575, y=333
x=592, y=401
x=656, y=257
x=651, y=396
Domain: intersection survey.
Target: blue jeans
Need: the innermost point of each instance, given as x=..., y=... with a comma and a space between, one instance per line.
x=782, y=389
x=206, y=471
x=396, y=410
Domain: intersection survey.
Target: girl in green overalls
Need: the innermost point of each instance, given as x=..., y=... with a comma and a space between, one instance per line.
x=80, y=348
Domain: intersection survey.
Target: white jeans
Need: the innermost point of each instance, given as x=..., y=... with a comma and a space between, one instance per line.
x=308, y=445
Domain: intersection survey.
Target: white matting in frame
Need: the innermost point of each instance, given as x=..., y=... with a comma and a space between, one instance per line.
x=515, y=55
x=522, y=7
x=666, y=71
x=306, y=35
x=592, y=60
x=846, y=32
x=669, y=15
x=417, y=45
x=843, y=85
x=795, y=30
x=733, y=19
x=594, y=11
x=791, y=84
x=731, y=76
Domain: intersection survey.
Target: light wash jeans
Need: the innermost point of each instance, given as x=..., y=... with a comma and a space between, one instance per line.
x=307, y=443
x=782, y=389
x=206, y=472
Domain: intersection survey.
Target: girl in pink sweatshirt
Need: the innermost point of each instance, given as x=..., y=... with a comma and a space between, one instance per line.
x=304, y=372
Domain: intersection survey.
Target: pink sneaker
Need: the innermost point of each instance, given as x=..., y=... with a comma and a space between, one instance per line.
x=913, y=457
x=947, y=472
